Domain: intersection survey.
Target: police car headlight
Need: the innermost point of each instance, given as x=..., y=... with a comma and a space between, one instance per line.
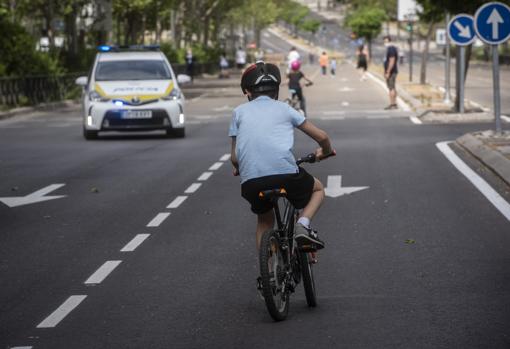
x=174, y=95
x=96, y=97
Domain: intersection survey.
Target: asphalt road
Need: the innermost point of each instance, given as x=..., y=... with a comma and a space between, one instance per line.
x=417, y=260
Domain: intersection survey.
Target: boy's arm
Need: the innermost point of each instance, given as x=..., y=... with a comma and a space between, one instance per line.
x=320, y=137
x=233, y=158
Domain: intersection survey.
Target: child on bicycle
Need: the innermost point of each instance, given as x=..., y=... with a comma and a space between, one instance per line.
x=294, y=81
x=262, y=133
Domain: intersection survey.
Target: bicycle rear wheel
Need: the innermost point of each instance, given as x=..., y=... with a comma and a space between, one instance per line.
x=308, y=281
x=273, y=276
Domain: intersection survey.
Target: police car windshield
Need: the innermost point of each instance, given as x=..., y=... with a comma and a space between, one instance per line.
x=132, y=70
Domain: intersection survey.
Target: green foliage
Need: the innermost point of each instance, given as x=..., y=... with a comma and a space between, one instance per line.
x=366, y=22
x=19, y=57
x=200, y=53
x=311, y=25
x=431, y=12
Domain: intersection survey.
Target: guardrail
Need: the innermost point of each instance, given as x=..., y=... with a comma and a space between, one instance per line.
x=32, y=90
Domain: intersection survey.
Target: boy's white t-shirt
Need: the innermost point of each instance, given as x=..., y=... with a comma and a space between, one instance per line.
x=264, y=131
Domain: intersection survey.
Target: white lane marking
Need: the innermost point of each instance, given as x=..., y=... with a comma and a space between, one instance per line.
x=215, y=166
x=331, y=117
x=205, y=176
x=506, y=118
x=345, y=104
x=345, y=89
x=415, y=120
x=192, y=188
x=333, y=112
x=403, y=105
x=334, y=188
x=101, y=273
x=160, y=217
x=21, y=347
x=61, y=312
x=36, y=196
x=135, y=242
x=177, y=202
x=225, y=157
x=476, y=180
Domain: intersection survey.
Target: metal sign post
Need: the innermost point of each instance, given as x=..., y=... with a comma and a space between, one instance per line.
x=461, y=31
x=447, y=97
x=492, y=24
x=410, y=51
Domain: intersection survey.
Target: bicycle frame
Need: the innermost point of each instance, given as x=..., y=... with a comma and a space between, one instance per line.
x=285, y=226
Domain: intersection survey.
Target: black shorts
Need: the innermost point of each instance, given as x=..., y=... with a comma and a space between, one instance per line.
x=299, y=188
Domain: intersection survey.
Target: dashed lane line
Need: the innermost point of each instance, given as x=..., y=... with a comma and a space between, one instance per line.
x=61, y=312
x=21, y=347
x=177, y=202
x=205, y=176
x=193, y=188
x=160, y=217
x=215, y=166
x=225, y=157
x=135, y=242
x=493, y=196
x=101, y=273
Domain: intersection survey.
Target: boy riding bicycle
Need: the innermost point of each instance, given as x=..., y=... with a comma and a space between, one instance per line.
x=262, y=133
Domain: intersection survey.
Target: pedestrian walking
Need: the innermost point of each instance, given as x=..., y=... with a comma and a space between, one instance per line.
x=190, y=63
x=240, y=58
x=224, y=66
x=362, y=54
x=391, y=71
x=324, y=62
x=332, y=66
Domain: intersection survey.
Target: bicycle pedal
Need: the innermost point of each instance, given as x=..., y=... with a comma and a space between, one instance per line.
x=313, y=258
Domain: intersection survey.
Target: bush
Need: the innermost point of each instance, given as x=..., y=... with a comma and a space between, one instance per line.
x=202, y=54
x=19, y=57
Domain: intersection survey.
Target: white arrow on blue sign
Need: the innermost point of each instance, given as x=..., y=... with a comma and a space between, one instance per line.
x=492, y=22
x=461, y=29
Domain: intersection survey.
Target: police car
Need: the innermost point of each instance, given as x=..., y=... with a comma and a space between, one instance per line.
x=132, y=89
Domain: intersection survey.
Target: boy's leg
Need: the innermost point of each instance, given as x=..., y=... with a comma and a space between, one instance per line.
x=315, y=201
x=265, y=221
x=306, y=237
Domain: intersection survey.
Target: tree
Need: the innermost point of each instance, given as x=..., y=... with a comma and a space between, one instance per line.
x=430, y=15
x=366, y=22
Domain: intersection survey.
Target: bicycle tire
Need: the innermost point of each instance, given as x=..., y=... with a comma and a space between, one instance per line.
x=308, y=280
x=275, y=292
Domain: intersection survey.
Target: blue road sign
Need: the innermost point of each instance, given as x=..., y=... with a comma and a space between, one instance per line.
x=492, y=22
x=461, y=29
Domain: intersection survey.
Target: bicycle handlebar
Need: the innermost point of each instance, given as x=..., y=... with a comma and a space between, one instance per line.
x=311, y=158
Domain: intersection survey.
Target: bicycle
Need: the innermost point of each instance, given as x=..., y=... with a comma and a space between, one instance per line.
x=294, y=101
x=282, y=263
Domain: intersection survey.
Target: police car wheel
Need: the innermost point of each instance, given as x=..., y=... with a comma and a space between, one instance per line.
x=88, y=135
x=176, y=133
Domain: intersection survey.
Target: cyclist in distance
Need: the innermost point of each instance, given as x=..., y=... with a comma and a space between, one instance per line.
x=294, y=81
x=262, y=134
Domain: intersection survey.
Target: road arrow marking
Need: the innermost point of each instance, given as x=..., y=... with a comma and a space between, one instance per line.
x=495, y=19
x=334, y=188
x=37, y=196
x=465, y=32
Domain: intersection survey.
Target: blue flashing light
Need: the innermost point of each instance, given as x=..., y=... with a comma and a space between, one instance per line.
x=118, y=103
x=104, y=48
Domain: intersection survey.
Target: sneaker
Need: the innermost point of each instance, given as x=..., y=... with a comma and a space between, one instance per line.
x=307, y=239
x=391, y=106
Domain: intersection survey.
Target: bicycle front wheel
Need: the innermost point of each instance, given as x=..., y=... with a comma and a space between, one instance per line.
x=273, y=276
x=308, y=281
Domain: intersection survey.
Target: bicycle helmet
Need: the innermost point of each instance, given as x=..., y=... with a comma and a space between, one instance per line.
x=261, y=77
x=295, y=65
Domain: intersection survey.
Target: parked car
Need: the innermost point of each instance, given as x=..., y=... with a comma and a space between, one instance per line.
x=132, y=89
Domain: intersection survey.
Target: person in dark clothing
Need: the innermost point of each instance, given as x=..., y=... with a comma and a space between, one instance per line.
x=362, y=54
x=391, y=71
x=190, y=64
x=294, y=81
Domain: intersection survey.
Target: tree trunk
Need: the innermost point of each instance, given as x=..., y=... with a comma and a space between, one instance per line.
x=205, y=38
x=425, y=54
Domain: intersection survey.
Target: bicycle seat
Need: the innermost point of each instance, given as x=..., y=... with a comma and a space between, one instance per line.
x=272, y=193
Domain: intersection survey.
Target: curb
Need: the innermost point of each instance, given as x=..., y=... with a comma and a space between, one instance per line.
x=491, y=158
x=41, y=107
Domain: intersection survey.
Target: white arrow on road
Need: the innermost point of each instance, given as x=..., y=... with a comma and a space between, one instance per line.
x=465, y=32
x=495, y=19
x=36, y=196
x=334, y=188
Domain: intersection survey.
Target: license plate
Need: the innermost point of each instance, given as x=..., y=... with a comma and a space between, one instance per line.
x=136, y=114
